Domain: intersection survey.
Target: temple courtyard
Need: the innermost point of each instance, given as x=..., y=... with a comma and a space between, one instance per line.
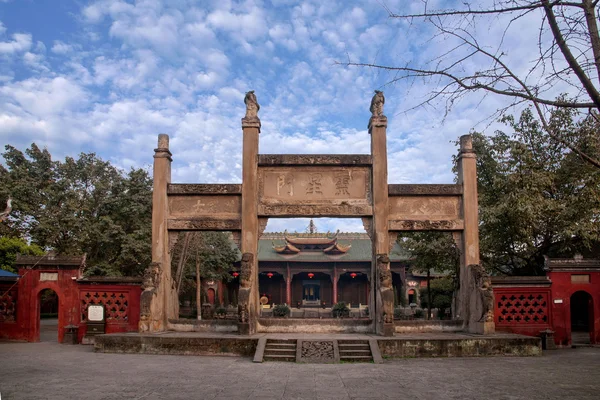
x=52, y=371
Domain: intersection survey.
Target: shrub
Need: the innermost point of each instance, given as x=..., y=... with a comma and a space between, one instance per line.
x=221, y=311
x=419, y=313
x=340, y=310
x=281, y=310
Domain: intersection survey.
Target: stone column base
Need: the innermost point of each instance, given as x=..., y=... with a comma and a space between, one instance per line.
x=388, y=330
x=482, y=328
x=244, y=328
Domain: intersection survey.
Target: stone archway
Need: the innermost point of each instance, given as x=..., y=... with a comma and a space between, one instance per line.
x=582, y=317
x=309, y=185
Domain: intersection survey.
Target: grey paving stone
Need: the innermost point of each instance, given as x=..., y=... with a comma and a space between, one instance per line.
x=52, y=371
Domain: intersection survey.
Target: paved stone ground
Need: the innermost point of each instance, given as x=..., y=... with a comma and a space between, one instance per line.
x=53, y=371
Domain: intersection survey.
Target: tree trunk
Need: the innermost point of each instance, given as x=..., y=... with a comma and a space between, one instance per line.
x=428, y=294
x=198, y=288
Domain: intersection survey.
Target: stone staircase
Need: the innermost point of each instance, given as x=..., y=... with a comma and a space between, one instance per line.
x=280, y=350
x=355, y=351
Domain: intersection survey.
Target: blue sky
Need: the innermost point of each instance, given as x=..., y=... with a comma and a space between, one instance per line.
x=108, y=76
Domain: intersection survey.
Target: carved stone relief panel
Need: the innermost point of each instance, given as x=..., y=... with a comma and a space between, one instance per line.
x=317, y=351
x=424, y=207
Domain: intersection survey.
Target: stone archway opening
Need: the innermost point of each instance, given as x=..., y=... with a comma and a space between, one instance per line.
x=582, y=317
x=48, y=314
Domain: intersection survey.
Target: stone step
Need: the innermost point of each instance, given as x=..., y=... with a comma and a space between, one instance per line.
x=356, y=358
x=280, y=351
x=282, y=341
x=276, y=357
x=281, y=345
x=355, y=353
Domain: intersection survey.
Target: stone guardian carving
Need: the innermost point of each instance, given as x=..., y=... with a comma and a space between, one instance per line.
x=252, y=105
x=385, y=287
x=246, y=270
x=377, y=103
x=150, y=285
x=483, y=284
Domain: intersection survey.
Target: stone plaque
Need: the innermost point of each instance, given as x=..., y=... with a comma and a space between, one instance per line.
x=95, y=313
x=424, y=207
x=314, y=191
x=225, y=206
x=48, y=276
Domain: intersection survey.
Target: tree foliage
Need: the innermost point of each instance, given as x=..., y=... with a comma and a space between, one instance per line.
x=535, y=198
x=432, y=251
x=80, y=205
x=213, y=251
x=10, y=247
x=478, y=57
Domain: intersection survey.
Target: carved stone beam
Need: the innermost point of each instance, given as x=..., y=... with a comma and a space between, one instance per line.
x=173, y=238
x=368, y=225
x=262, y=224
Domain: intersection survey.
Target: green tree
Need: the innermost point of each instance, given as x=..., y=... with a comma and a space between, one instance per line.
x=10, y=247
x=81, y=205
x=441, y=291
x=202, y=255
x=435, y=252
x=535, y=198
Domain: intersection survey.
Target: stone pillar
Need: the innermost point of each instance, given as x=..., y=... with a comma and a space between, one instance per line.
x=159, y=300
x=248, y=296
x=384, y=300
x=335, y=284
x=471, y=303
x=288, y=287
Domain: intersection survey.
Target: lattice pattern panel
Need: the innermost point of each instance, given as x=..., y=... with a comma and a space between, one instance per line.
x=8, y=305
x=522, y=308
x=116, y=304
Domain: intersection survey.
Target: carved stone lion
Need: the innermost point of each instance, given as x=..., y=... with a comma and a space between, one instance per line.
x=246, y=270
x=252, y=105
x=377, y=103
x=483, y=284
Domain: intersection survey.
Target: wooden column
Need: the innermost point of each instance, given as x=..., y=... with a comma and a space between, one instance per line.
x=384, y=302
x=335, y=285
x=288, y=286
x=160, y=303
x=470, y=305
x=249, y=241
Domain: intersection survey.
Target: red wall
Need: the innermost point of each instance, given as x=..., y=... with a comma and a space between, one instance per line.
x=522, y=310
x=563, y=289
x=72, y=303
x=517, y=305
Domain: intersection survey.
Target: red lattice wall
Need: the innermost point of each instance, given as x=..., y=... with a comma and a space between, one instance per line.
x=524, y=310
x=8, y=305
x=116, y=304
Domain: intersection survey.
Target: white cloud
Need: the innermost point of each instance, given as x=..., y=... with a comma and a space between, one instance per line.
x=20, y=42
x=61, y=47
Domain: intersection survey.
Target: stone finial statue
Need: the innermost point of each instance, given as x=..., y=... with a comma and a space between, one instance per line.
x=377, y=104
x=246, y=270
x=243, y=313
x=483, y=284
x=385, y=285
x=252, y=105
x=150, y=286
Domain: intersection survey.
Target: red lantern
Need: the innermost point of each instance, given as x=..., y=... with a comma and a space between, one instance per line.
x=353, y=275
x=236, y=274
x=270, y=275
x=310, y=275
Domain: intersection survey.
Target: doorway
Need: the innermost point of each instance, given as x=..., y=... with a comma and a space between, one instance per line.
x=48, y=301
x=581, y=317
